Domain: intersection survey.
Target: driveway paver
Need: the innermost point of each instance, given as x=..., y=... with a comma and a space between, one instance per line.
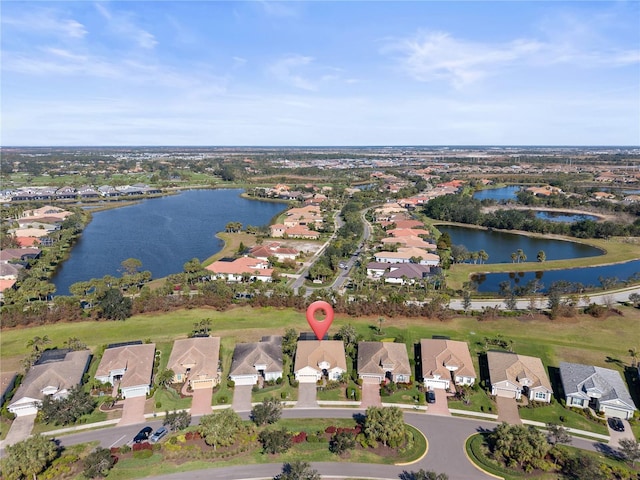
x=508, y=411
x=242, y=398
x=614, y=441
x=133, y=410
x=307, y=395
x=370, y=393
x=201, y=401
x=441, y=407
x=20, y=430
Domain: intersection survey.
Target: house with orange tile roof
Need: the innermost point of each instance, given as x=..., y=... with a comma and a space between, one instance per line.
x=27, y=241
x=236, y=270
x=274, y=249
x=301, y=231
x=409, y=241
x=544, y=191
x=407, y=232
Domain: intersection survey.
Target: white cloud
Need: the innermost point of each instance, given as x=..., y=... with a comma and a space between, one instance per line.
x=441, y=56
x=46, y=21
x=122, y=23
x=278, y=9
x=286, y=70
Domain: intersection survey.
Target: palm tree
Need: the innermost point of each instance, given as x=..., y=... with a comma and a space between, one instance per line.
x=37, y=342
x=521, y=255
x=514, y=257
x=164, y=378
x=634, y=356
x=541, y=256
x=484, y=256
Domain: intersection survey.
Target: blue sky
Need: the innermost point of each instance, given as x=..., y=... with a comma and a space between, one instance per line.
x=320, y=73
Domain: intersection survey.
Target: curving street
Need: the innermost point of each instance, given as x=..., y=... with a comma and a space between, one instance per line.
x=446, y=438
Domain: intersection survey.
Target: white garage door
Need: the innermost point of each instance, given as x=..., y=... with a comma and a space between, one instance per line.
x=244, y=380
x=134, y=392
x=307, y=378
x=616, y=412
x=439, y=384
x=501, y=392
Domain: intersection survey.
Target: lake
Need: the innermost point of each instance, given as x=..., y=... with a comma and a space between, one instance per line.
x=498, y=194
x=587, y=276
x=164, y=233
x=500, y=245
x=564, y=217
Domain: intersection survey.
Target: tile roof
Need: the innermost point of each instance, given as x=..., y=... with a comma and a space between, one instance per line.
x=266, y=352
x=137, y=360
x=310, y=353
x=380, y=357
x=438, y=354
x=200, y=354
x=511, y=367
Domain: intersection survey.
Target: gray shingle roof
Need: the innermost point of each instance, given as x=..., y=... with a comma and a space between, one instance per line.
x=577, y=379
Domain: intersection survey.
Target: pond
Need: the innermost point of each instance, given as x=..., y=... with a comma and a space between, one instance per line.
x=564, y=217
x=587, y=276
x=164, y=233
x=500, y=245
x=498, y=194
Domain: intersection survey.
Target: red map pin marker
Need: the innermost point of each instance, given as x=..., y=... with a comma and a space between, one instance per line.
x=320, y=327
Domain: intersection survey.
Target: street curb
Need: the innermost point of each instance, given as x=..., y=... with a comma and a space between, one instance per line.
x=464, y=448
x=426, y=450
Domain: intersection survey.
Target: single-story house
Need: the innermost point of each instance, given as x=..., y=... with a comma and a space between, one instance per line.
x=382, y=360
x=512, y=375
x=130, y=367
x=233, y=271
x=406, y=273
x=376, y=269
x=59, y=371
x=602, y=389
x=252, y=360
x=274, y=249
x=277, y=230
x=315, y=358
x=409, y=241
x=445, y=361
x=195, y=360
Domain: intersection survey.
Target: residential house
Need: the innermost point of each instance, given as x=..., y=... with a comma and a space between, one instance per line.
x=407, y=232
x=406, y=273
x=445, y=361
x=405, y=254
x=241, y=268
x=301, y=231
x=512, y=375
x=318, y=358
x=54, y=374
x=602, y=389
x=258, y=359
x=196, y=361
x=130, y=367
x=384, y=360
x=278, y=230
x=409, y=241
x=263, y=252
x=19, y=255
x=376, y=269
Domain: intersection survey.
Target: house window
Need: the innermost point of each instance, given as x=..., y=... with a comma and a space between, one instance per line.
x=577, y=401
x=540, y=396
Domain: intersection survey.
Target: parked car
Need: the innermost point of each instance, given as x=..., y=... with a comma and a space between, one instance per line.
x=431, y=396
x=158, y=434
x=142, y=435
x=616, y=424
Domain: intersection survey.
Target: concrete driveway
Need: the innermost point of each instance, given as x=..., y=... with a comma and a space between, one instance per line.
x=133, y=410
x=307, y=396
x=441, y=407
x=241, y=398
x=614, y=441
x=370, y=393
x=508, y=411
x=201, y=401
x=20, y=430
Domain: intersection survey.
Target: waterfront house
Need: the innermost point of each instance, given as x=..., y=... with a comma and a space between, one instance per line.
x=252, y=269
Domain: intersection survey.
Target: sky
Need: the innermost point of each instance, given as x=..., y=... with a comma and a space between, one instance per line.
x=321, y=73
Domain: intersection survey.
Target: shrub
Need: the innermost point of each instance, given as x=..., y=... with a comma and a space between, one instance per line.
x=142, y=454
x=231, y=383
x=125, y=448
x=158, y=404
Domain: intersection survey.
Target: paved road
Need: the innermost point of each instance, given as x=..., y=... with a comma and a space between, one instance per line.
x=446, y=437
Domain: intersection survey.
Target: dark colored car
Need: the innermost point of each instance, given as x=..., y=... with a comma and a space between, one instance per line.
x=158, y=434
x=142, y=435
x=616, y=424
x=431, y=396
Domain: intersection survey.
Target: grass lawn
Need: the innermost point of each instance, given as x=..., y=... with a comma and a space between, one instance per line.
x=552, y=413
x=170, y=400
x=311, y=452
x=479, y=401
x=402, y=395
x=333, y=394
